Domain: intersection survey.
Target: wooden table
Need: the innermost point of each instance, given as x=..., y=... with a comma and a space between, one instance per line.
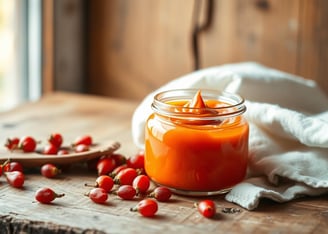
x=110, y=119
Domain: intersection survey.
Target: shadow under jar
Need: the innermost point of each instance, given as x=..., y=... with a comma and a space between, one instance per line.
x=197, y=151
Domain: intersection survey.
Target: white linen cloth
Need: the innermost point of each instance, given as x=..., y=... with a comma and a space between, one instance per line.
x=288, y=117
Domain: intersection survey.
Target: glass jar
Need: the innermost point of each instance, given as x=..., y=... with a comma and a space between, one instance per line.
x=197, y=151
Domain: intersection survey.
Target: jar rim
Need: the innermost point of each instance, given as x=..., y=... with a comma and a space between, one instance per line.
x=235, y=103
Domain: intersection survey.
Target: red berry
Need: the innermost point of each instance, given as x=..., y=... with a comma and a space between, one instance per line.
x=98, y=195
x=105, y=182
x=126, y=176
x=62, y=152
x=161, y=194
x=50, y=149
x=27, y=144
x=207, y=208
x=141, y=183
x=49, y=170
x=137, y=161
x=15, y=178
x=85, y=140
x=46, y=195
x=105, y=166
x=147, y=207
x=117, y=170
x=56, y=139
x=12, y=143
x=126, y=192
x=81, y=148
x=12, y=166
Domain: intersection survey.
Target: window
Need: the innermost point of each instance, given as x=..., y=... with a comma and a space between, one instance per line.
x=20, y=57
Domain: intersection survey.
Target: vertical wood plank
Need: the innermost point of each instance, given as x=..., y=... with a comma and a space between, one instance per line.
x=63, y=46
x=48, y=46
x=313, y=51
x=69, y=57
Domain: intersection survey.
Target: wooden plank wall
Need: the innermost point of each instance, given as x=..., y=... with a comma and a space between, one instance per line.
x=136, y=46
x=63, y=58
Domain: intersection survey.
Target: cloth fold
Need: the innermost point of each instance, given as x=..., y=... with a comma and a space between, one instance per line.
x=288, y=117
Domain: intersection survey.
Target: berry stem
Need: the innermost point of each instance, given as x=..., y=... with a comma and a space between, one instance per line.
x=57, y=195
x=95, y=185
x=196, y=204
x=134, y=209
x=5, y=162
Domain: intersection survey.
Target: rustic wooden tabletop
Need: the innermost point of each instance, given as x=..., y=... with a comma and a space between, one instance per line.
x=110, y=120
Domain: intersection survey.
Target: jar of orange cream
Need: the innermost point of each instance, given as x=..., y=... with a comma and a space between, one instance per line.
x=196, y=141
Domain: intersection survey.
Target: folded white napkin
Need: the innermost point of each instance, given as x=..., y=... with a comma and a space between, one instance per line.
x=288, y=117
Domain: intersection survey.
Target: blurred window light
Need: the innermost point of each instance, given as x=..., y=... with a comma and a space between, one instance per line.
x=20, y=52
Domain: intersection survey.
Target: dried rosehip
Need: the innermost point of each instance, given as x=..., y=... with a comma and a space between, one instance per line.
x=126, y=176
x=98, y=195
x=161, y=194
x=27, y=144
x=50, y=149
x=62, y=152
x=15, y=178
x=141, y=183
x=137, y=161
x=46, y=195
x=50, y=170
x=85, y=140
x=12, y=143
x=126, y=192
x=12, y=166
x=207, y=208
x=147, y=207
x=105, y=166
x=56, y=139
x=104, y=181
x=117, y=170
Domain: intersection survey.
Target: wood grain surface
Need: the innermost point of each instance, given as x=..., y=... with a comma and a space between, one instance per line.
x=109, y=119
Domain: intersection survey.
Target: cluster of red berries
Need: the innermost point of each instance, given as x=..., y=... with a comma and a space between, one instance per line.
x=13, y=171
x=126, y=179
x=117, y=175
x=54, y=144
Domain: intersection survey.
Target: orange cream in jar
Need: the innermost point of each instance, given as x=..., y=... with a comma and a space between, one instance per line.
x=196, y=143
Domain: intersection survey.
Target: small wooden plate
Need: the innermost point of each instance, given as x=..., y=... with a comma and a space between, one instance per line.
x=37, y=159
